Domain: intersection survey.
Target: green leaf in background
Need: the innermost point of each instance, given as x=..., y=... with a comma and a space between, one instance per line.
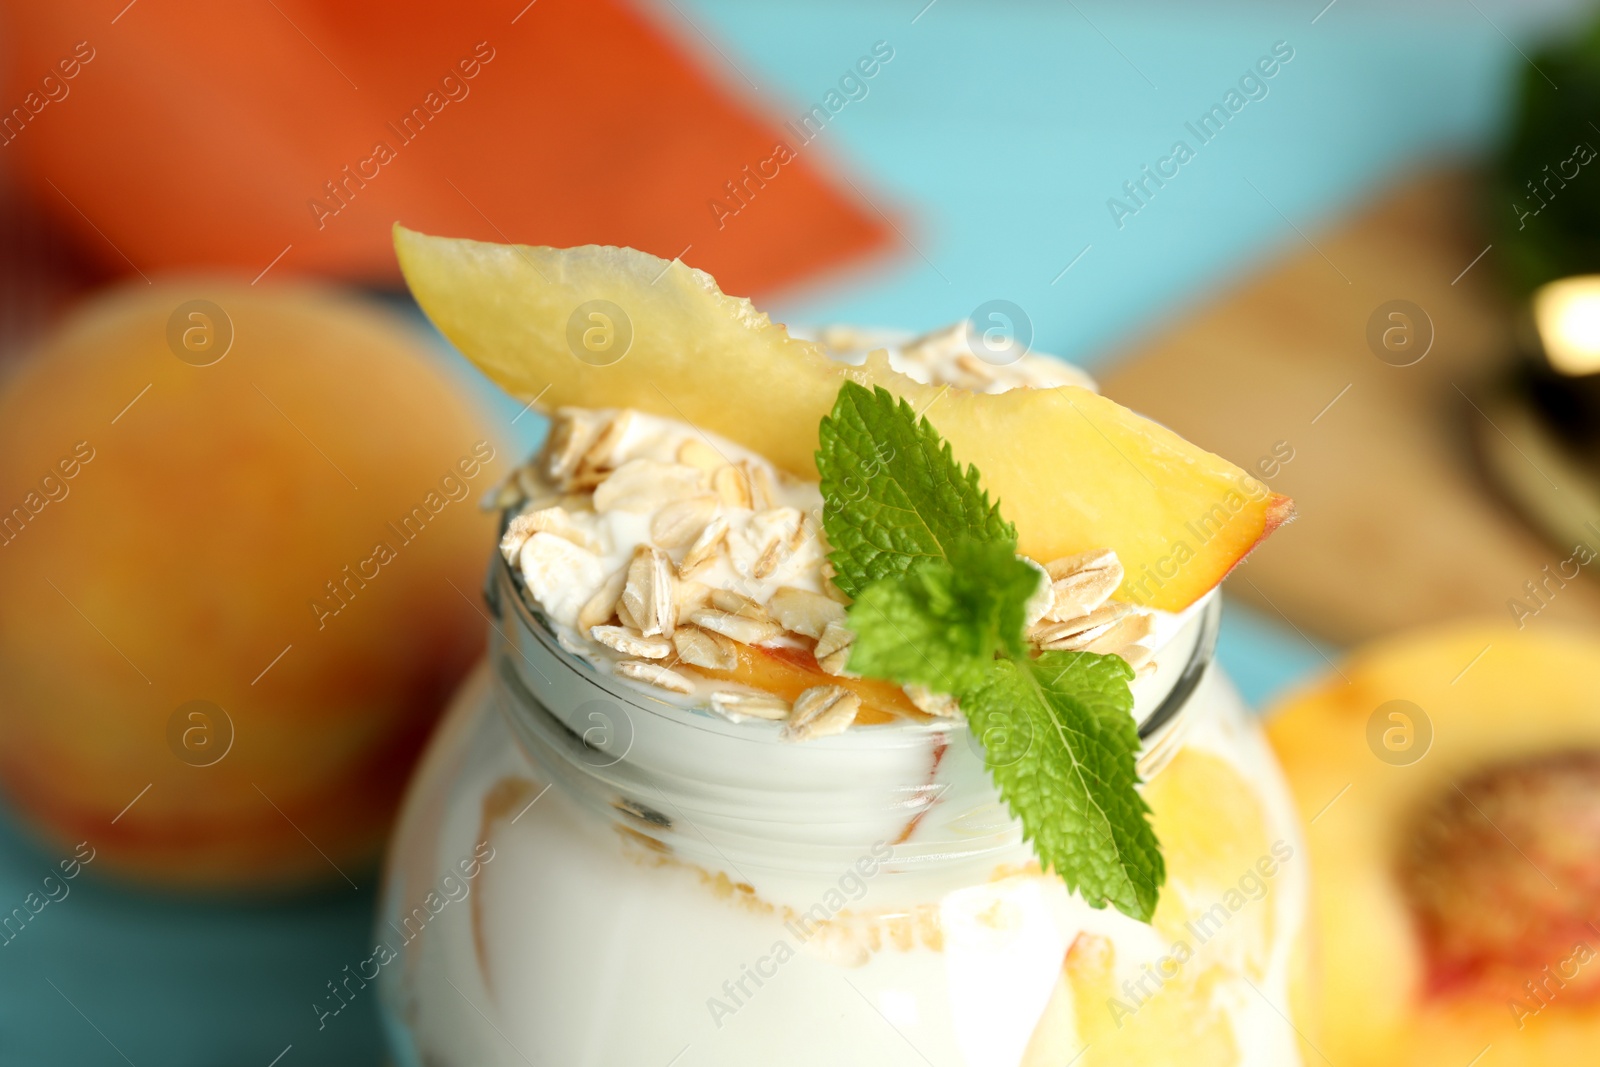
x=1544, y=198
x=894, y=495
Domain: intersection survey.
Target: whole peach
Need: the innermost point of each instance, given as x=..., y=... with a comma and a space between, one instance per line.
x=240, y=547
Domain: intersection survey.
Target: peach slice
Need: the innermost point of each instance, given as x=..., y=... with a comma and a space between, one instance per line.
x=610, y=327
x=1207, y=848
x=1168, y=1009
x=1181, y=1025
x=788, y=672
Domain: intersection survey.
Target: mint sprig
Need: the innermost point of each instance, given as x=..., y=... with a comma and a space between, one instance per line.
x=942, y=623
x=1059, y=741
x=893, y=494
x=940, y=599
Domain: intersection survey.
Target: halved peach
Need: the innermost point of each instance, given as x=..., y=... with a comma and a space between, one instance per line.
x=610, y=327
x=1451, y=779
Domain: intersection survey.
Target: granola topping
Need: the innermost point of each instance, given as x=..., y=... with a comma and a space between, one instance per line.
x=659, y=553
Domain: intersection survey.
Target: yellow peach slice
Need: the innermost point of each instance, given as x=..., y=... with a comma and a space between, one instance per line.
x=1208, y=848
x=1158, y=1017
x=611, y=327
x=1089, y=1022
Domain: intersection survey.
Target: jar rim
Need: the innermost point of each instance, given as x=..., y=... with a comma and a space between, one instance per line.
x=616, y=750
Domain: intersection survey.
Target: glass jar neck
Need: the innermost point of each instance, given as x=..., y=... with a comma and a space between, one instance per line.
x=733, y=797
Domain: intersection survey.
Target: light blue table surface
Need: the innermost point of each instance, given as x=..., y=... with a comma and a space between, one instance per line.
x=993, y=139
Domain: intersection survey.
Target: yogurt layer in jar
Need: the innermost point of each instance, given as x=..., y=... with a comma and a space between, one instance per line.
x=663, y=823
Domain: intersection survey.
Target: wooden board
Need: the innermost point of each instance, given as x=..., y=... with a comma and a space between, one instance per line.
x=1397, y=526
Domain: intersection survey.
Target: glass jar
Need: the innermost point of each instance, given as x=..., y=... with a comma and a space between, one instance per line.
x=586, y=875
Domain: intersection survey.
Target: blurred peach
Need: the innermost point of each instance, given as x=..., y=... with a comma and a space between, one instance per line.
x=1450, y=777
x=241, y=549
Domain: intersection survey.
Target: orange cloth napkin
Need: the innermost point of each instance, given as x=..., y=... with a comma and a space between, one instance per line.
x=292, y=133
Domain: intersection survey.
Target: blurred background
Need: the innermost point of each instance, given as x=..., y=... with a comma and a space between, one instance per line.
x=214, y=393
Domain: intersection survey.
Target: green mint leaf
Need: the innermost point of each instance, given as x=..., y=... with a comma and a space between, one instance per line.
x=1060, y=742
x=941, y=623
x=938, y=595
x=893, y=495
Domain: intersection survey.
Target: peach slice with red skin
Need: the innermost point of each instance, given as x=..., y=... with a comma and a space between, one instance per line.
x=599, y=327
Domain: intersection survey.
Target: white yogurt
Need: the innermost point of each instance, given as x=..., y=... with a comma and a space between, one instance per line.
x=584, y=944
